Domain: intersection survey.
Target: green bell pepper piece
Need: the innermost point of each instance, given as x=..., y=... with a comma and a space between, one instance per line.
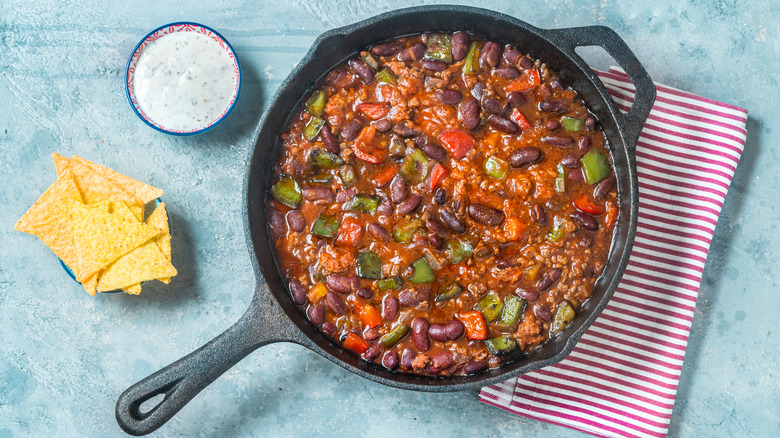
x=596, y=166
x=560, y=180
x=513, y=309
x=322, y=178
x=391, y=283
x=370, y=60
x=557, y=232
x=364, y=203
x=422, y=272
x=325, y=159
x=348, y=175
x=572, y=124
x=564, y=315
x=414, y=168
x=369, y=265
x=490, y=305
x=315, y=104
x=394, y=336
x=387, y=76
x=325, y=226
x=457, y=251
x=495, y=167
x=313, y=128
x=501, y=345
x=403, y=231
x=449, y=292
x=471, y=64
x=439, y=47
x=287, y=191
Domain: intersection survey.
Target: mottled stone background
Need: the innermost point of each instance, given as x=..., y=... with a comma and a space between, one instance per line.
x=65, y=356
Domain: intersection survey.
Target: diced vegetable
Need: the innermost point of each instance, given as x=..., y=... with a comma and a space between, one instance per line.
x=321, y=178
x=439, y=47
x=350, y=231
x=348, y=175
x=560, y=180
x=501, y=345
x=387, y=76
x=595, y=166
x=564, y=315
x=520, y=119
x=457, y=141
x=422, y=272
x=414, y=168
x=611, y=216
x=513, y=228
x=557, y=232
x=325, y=159
x=355, y=343
x=385, y=176
x=288, y=192
x=513, y=310
x=362, y=148
x=529, y=79
x=588, y=206
x=369, y=316
x=369, y=265
x=325, y=226
x=391, y=283
x=364, y=203
x=572, y=124
x=471, y=63
x=370, y=60
x=490, y=305
x=495, y=167
x=457, y=251
x=315, y=104
x=373, y=111
x=530, y=273
x=474, y=323
x=449, y=292
x=317, y=292
x=403, y=231
x=369, y=157
x=394, y=336
x=313, y=127
x=437, y=174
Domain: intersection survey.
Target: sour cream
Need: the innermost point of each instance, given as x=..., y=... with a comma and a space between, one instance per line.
x=184, y=81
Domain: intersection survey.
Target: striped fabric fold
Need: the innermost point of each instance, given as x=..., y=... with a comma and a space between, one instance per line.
x=622, y=377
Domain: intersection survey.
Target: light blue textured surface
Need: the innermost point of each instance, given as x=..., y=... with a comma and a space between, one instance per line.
x=66, y=356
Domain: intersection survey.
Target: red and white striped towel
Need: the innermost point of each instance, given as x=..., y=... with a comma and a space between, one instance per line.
x=622, y=377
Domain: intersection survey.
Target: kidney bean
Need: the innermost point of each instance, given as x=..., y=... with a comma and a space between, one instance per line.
x=387, y=49
x=556, y=106
x=483, y=252
x=449, y=96
x=454, y=329
x=318, y=195
x=434, y=151
x=405, y=131
x=485, y=215
x=526, y=62
x=436, y=241
x=552, y=125
x=511, y=54
x=298, y=292
x=560, y=141
x=345, y=195
x=538, y=214
x=379, y=231
x=407, y=357
x=412, y=53
x=329, y=328
x=602, y=188
x=525, y=156
x=433, y=64
x=420, y=334
x=335, y=303
x=583, y=144
x=587, y=221
x=371, y=334
x=342, y=284
x=490, y=54
x=397, y=189
x=544, y=92
x=438, y=332
x=440, y=196
x=452, y=221
x=474, y=367
x=556, y=84
x=390, y=360
x=501, y=124
x=390, y=308
x=435, y=226
x=505, y=263
x=296, y=221
x=383, y=125
x=460, y=45
x=373, y=352
x=469, y=113
x=384, y=209
x=365, y=292
x=363, y=71
x=413, y=297
x=277, y=223
x=351, y=131
x=527, y=294
x=543, y=312
x=590, y=123
x=508, y=72
x=491, y=105
x=329, y=140
x=440, y=361
x=585, y=241
x=516, y=98
x=570, y=160
x=316, y=313
x=575, y=175
x=478, y=90
x=409, y=205
x=548, y=279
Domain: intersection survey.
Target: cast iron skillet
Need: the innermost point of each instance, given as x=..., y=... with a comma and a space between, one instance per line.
x=273, y=317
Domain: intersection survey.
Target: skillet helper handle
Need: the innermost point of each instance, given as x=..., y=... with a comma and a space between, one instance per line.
x=182, y=380
x=610, y=41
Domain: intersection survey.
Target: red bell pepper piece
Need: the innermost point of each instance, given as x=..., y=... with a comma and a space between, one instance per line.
x=365, y=138
x=369, y=316
x=475, y=324
x=437, y=174
x=588, y=206
x=611, y=217
x=355, y=343
x=457, y=141
x=385, y=176
x=520, y=119
x=350, y=231
x=373, y=111
x=529, y=79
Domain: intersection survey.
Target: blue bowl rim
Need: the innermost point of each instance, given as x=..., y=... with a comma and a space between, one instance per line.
x=182, y=134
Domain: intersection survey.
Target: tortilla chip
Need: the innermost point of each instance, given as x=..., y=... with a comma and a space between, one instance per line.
x=90, y=284
x=122, y=211
x=101, y=238
x=142, y=264
x=133, y=289
x=48, y=218
x=141, y=191
x=159, y=220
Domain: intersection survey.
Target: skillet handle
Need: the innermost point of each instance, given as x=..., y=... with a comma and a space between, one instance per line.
x=609, y=40
x=182, y=380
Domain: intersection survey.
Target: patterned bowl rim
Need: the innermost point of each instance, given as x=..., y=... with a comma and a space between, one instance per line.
x=181, y=26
